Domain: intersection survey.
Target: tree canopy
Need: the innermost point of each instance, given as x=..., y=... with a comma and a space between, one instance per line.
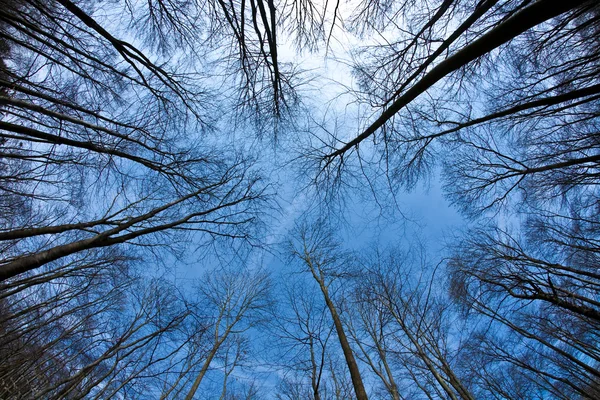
x=230, y=138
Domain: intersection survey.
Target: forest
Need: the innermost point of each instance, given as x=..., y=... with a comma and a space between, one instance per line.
x=300, y=199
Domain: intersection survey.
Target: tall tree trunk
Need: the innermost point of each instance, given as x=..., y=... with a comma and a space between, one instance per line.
x=359, y=388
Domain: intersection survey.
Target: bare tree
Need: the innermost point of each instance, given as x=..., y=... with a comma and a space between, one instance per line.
x=303, y=326
x=504, y=97
x=87, y=115
x=370, y=330
x=111, y=159
x=238, y=300
x=404, y=327
x=95, y=331
x=545, y=301
x=321, y=256
x=416, y=65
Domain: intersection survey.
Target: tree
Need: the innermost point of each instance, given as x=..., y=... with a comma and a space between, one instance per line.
x=544, y=300
x=506, y=103
x=121, y=133
x=93, y=332
x=238, y=299
x=117, y=153
x=411, y=65
x=405, y=326
x=370, y=330
x=235, y=355
x=104, y=153
x=303, y=326
x=321, y=256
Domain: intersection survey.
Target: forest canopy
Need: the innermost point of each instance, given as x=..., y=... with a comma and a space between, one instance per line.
x=179, y=180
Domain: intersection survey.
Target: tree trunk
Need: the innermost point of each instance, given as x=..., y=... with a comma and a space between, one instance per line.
x=359, y=388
